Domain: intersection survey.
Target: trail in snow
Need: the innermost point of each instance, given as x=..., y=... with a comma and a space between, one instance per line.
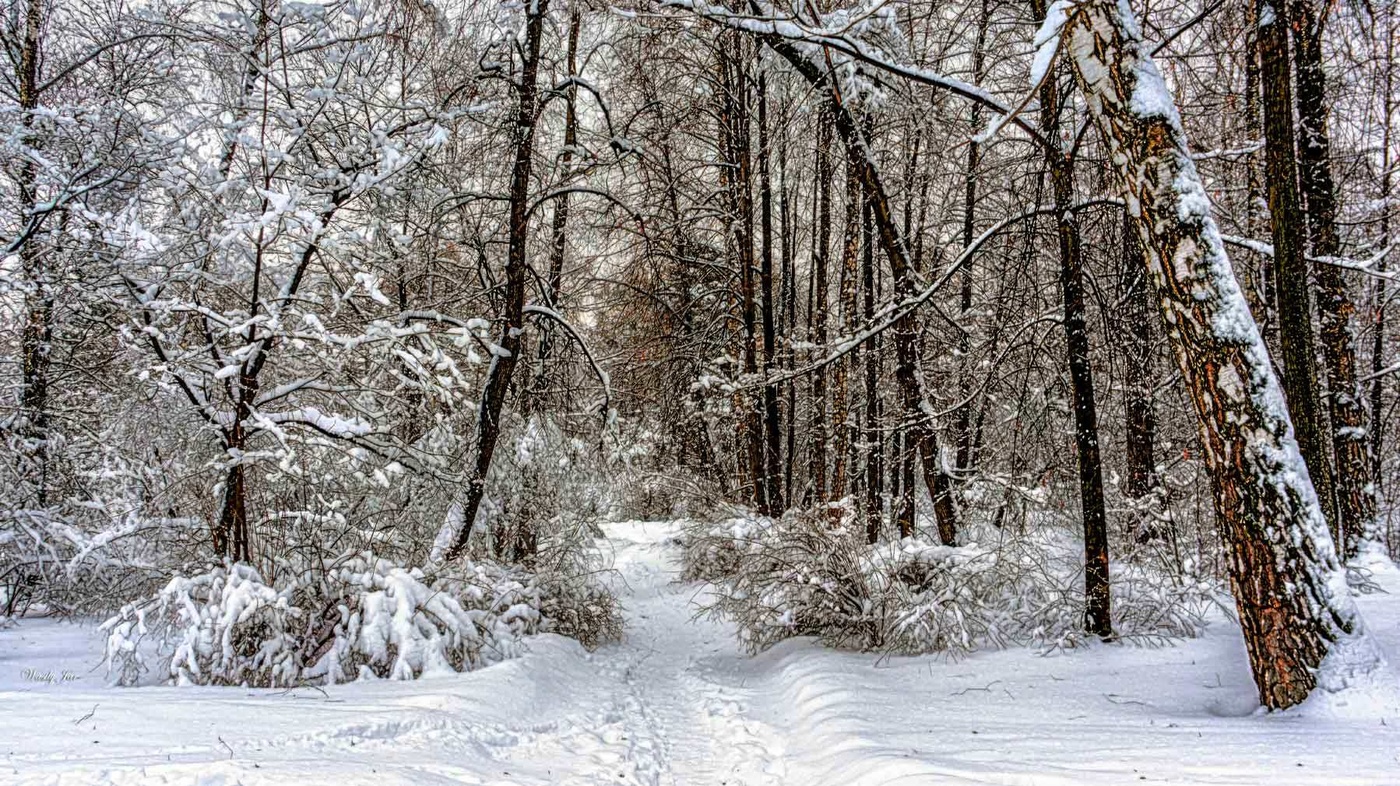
x=652, y=711
x=679, y=703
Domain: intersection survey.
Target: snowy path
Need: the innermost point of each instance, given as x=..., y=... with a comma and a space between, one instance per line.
x=678, y=703
x=653, y=711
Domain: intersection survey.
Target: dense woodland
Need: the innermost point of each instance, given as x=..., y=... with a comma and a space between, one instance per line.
x=981, y=313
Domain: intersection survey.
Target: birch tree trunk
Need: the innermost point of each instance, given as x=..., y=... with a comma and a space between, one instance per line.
x=1292, y=597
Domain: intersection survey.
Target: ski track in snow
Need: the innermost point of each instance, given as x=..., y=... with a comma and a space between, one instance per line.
x=679, y=703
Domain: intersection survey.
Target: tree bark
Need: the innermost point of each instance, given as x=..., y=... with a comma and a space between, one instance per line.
x=1290, y=267
x=841, y=427
x=817, y=308
x=1139, y=409
x=1378, y=307
x=787, y=298
x=1356, y=501
x=1258, y=279
x=872, y=440
x=741, y=162
x=964, y=428
x=1292, y=599
x=558, y=242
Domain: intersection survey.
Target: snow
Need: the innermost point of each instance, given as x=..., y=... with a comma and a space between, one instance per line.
x=679, y=703
x=1047, y=39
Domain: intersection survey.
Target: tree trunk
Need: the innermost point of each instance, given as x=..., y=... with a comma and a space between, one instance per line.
x=1141, y=415
x=509, y=344
x=1356, y=502
x=817, y=308
x=772, y=426
x=1290, y=267
x=841, y=426
x=787, y=298
x=1098, y=618
x=1259, y=279
x=872, y=439
x=964, y=428
x=558, y=243
x=37, y=332
x=1292, y=599
x=741, y=162
x=1378, y=337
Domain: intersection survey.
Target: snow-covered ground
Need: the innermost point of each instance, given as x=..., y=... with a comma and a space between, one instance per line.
x=678, y=703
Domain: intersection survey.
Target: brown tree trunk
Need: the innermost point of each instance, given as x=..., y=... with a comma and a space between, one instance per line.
x=1356, y=502
x=1098, y=618
x=1139, y=411
x=872, y=439
x=964, y=428
x=772, y=426
x=841, y=426
x=787, y=298
x=1290, y=267
x=817, y=308
x=36, y=335
x=231, y=534
x=558, y=243
x=510, y=342
x=1283, y=567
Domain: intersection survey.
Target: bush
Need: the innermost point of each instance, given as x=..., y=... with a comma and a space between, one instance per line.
x=813, y=574
x=363, y=617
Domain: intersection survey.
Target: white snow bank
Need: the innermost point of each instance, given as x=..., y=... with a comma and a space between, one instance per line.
x=679, y=703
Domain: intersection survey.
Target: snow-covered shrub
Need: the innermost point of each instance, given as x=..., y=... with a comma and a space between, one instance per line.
x=713, y=551
x=223, y=626
x=541, y=493
x=794, y=576
x=814, y=574
x=362, y=617
x=933, y=598
x=91, y=537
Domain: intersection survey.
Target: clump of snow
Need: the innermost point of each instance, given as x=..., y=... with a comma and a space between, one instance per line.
x=1047, y=39
x=1352, y=682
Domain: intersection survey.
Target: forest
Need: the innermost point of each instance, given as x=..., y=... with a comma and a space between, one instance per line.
x=364, y=341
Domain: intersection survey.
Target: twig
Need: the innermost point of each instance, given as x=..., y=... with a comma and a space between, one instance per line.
x=987, y=689
x=85, y=717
